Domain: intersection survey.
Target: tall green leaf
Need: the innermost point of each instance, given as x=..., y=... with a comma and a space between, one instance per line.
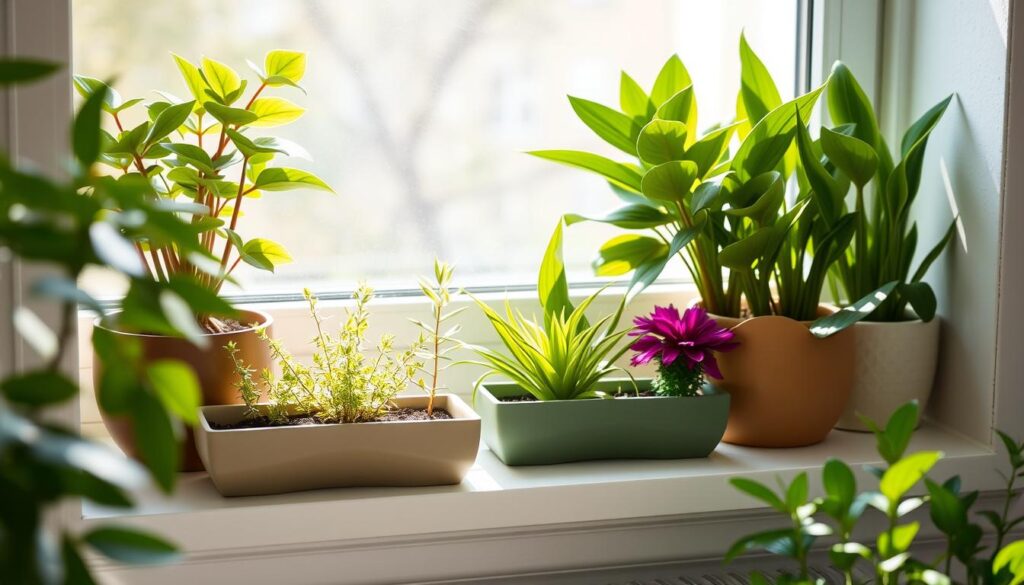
x=757, y=88
x=615, y=128
x=619, y=174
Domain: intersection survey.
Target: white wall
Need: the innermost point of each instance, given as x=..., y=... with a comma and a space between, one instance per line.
x=934, y=48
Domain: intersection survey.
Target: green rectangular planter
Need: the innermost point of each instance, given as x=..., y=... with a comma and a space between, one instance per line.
x=561, y=431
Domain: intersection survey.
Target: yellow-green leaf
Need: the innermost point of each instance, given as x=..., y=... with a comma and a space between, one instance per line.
x=264, y=254
x=283, y=179
x=222, y=79
x=274, y=111
x=286, y=65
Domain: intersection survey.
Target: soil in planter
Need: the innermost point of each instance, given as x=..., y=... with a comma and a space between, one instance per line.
x=530, y=398
x=396, y=415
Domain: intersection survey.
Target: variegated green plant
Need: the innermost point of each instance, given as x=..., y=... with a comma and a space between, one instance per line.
x=203, y=160
x=565, y=357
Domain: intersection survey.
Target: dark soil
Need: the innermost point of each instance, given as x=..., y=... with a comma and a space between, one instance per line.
x=530, y=398
x=396, y=415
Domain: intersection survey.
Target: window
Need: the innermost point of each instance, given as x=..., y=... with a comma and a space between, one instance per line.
x=418, y=113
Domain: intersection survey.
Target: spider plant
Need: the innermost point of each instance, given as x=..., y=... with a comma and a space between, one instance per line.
x=565, y=357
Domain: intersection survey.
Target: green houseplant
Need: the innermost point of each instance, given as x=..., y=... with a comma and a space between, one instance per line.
x=205, y=162
x=889, y=555
x=897, y=350
x=561, y=404
x=759, y=257
x=343, y=413
x=69, y=225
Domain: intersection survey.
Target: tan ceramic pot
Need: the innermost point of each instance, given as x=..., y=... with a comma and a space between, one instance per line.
x=212, y=365
x=895, y=363
x=273, y=460
x=788, y=387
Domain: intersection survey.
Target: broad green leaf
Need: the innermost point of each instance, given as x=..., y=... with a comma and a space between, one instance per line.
x=681, y=107
x=662, y=141
x=670, y=181
x=934, y=253
x=672, y=78
x=839, y=482
x=707, y=151
x=192, y=155
x=946, y=510
x=848, y=104
x=836, y=322
x=770, y=138
x=115, y=250
x=284, y=67
x=633, y=100
x=197, y=86
x=20, y=70
x=222, y=79
x=631, y=217
x=130, y=546
x=742, y=254
x=921, y=297
x=230, y=116
x=613, y=127
x=901, y=539
x=853, y=156
x=760, y=491
x=621, y=254
x=248, y=147
x=177, y=387
x=893, y=564
x=86, y=137
x=87, y=86
x=757, y=88
x=650, y=269
x=155, y=439
x=283, y=146
x=779, y=542
x=284, y=179
x=37, y=389
x=620, y=174
x=827, y=193
x=181, y=317
x=264, y=254
x=274, y=111
x=1011, y=557
x=552, y=286
x=898, y=431
x=796, y=495
x=905, y=473
x=707, y=196
x=915, y=140
x=76, y=572
x=168, y=121
x=759, y=198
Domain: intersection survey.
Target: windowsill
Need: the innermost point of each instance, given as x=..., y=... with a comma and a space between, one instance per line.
x=499, y=499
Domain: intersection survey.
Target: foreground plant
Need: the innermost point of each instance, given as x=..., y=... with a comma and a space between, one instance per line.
x=683, y=347
x=565, y=357
x=440, y=342
x=889, y=555
x=343, y=384
x=203, y=162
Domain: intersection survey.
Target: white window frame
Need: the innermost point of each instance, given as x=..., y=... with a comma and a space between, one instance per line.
x=569, y=525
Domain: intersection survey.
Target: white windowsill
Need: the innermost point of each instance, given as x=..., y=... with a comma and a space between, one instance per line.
x=498, y=499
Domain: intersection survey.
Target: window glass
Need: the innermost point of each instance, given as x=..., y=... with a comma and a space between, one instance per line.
x=418, y=114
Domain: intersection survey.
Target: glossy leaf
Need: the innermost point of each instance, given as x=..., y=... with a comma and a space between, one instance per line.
x=552, y=285
x=130, y=546
x=230, y=116
x=176, y=385
x=900, y=540
x=651, y=268
x=839, y=482
x=707, y=151
x=619, y=174
x=905, y=473
x=192, y=155
x=621, y=254
x=921, y=297
x=662, y=141
x=614, y=127
x=633, y=217
x=757, y=88
x=284, y=179
x=85, y=137
x=848, y=104
x=193, y=79
x=633, y=100
x=672, y=78
x=759, y=491
x=934, y=253
x=284, y=67
x=796, y=494
x=856, y=158
x=250, y=148
x=223, y=80
x=670, y=181
x=264, y=254
x=169, y=120
x=778, y=542
x=769, y=139
x=1011, y=557
x=89, y=86
x=847, y=316
x=947, y=512
x=21, y=70
x=274, y=111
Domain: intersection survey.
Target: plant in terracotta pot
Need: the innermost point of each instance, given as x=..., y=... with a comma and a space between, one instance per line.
x=561, y=403
x=342, y=412
x=204, y=162
x=897, y=344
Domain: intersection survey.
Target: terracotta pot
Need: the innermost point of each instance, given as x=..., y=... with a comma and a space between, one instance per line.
x=788, y=387
x=895, y=363
x=212, y=365
x=273, y=460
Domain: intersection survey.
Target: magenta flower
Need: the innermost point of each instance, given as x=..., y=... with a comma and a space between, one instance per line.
x=668, y=337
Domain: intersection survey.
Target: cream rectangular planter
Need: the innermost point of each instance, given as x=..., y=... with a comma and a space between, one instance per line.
x=273, y=460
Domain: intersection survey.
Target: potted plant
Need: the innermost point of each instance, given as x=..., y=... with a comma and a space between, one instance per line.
x=343, y=414
x=789, y=378
x=561, y=404
x=897, y=344
x=204, y=163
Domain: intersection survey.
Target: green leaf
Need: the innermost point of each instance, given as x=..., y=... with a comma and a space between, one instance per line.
x=662, y=141
x=760, y=491
x=840, y=320
x=619, y=174
x=248, y=147
x=672, y=78
x=934, y=253
x=894, y=439
x=681, y=107
x=130, y=546
x=20, y=70
x=839, y=482
x=827, y=193
x=651, y=268
x=856, y=158
x=284, y=179
x=230, y=116
x=264, y=254
x=632, y=217
x=274, y=111
x=778, y=542
x=769, y=140
x=552, y=286
x=192, y=155
x=115, y=250
x=914, y=142
x=1011, y=557
x=901, y=539
x=169, y=120
x=284, y=67
x=177, y=387
x=921, y=297
x=37, y=389
x=193, y=79
x=89, y=86
x=621, y=254
x=742, y=254
x=86, y=138
x=670, y=181
x=707, y=151
x=222, y=79
x=757, y=88
x=796, y=495
x=946, y=510
x=155, y=439
x=613, y=127
x=905, y=473
x=76, y=572
x=848, y=104
x=633, y=100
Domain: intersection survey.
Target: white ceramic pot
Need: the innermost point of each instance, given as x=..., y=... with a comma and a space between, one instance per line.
x=895, y=363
